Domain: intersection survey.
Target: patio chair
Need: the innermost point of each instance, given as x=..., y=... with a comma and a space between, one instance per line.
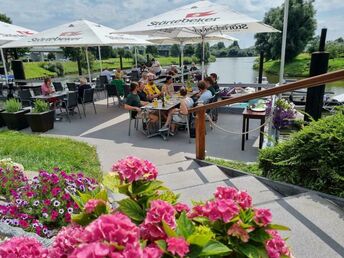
x=100, y=85
x=58, y=86
x=25, y=98
x=2, y=96
x=88, y=98
x=134, y=75
x=70, y=103
x=120, y=90
x=37, y=91
x=71, y=86
x=110, y=92
x=136, y=121
x=213, y=113
x=185, y=123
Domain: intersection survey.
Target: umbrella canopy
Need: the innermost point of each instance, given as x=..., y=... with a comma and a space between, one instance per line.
x=8, y=33
x=79, y=33
x=200, y=18
x=190, y=39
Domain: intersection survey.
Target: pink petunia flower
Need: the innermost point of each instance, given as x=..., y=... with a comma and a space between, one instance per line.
x=177, y=245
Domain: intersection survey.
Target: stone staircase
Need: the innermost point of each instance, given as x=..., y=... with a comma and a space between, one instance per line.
x=317, y=224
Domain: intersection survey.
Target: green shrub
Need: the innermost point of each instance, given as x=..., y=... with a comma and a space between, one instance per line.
x=40, y=106
x=12, y=105
x=54, y=67
x=312, y=157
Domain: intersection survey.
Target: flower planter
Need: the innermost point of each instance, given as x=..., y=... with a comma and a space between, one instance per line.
x=15, y=121
x=2, y=123
x=41, y=122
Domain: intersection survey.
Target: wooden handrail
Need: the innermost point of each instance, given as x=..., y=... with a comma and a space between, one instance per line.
x=305, y=83
x=301, y=84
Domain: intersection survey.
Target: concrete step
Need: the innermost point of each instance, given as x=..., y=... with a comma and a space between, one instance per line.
x=260, y=193
x=193, y=177
x=316, y=224
x=177, y=167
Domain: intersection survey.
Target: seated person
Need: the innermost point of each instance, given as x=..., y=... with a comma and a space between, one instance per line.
x=144, y=78
x=83, y=86
x=210, y=85
x=141, y=92
x=178, y=115
x=134, y=103
x=204, y=94
x=168, y=88
x=119, y=74
x=108, y=74
x=193, y=67
x=156, y=67
x=46, y=87
x=215, y=85
x=151, y=89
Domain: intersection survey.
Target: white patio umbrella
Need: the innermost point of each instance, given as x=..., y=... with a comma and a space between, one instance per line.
x=80, y=33
x=8, y=33
x=200, y=18
x=189, y=39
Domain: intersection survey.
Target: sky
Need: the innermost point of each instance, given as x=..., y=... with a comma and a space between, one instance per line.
x=43, y=14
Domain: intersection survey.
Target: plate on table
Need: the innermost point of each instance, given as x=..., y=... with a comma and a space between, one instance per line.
x=258, y=109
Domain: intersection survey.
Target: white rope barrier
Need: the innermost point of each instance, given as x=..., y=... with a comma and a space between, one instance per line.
x=241, y=133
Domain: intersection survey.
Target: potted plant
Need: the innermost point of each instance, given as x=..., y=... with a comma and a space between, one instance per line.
x=41, y=118
x=13, y=115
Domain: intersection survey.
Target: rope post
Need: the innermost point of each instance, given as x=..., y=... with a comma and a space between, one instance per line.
x=200, y=134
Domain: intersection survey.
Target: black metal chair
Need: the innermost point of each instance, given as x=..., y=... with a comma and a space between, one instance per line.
x=2, y=96
x=70, y=103
x=88, y=98
x=25, y=98
x=37, y=91
x=72, y=86
x=110, y=92
x=58, y=86
x=134, y=75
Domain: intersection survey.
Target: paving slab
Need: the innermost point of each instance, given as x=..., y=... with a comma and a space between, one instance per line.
x=211, y=174
x=177, y=167
x=181, y=180
x=260, y=193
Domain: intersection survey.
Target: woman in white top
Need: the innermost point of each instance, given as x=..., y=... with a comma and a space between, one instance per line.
x=178, y=115
x=168, y=88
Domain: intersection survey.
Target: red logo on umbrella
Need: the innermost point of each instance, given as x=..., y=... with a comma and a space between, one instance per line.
x=24, y=32
x=201, y=14
x=71, y=33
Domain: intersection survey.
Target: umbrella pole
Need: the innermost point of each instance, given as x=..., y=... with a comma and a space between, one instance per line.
x=88, y=65
x=182, y=57
x=135, y=50
x=4, y=64
x=203, y=57
x=284, y=40
x=100, y=59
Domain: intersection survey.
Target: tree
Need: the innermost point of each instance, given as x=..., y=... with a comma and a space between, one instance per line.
x=120, y=51
x=51, y=56
x=189, y=50
x=74, y=54
x=301, y=27
x=127, y=54
x=153, y=50
x=221, y=45
x=313, y=45
x=175, y=51
x=198, y=52
x=5, y=18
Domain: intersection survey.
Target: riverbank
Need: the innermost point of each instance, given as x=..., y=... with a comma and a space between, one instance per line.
x=299, y=67
x=36, y=69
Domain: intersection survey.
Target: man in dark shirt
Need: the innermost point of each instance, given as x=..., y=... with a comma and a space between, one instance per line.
x=141, y=93
x=215, y=85
x=210, y=85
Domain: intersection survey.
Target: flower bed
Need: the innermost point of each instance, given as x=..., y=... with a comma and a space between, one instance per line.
x=150, y=222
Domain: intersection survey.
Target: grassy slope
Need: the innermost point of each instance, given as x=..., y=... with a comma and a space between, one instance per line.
x=238, y=165
x=299, y=67
x=39, y=152
x=34, y=69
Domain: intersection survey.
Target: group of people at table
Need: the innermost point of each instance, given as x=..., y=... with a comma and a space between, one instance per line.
x=145, y=91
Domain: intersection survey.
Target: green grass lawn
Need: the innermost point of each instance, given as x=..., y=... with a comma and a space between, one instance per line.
x=40, y=152
x=299, y=67
x=35, y=70
x=251, y=167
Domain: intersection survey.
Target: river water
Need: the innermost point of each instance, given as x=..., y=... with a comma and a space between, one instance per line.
x=240, y=69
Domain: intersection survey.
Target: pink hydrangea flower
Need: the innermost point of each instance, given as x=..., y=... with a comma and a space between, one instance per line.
x=67, y=240
x=243, y=199
x=92, y=204
x=21, y=247
x=133, y=169
x=262, y=216
x=94, y=250
x=230, y=193
x=177, y=245
x=222, y=209
x=237, y=231
x=116, y=228
x=276, y=247
x=152, y=251
x=158, y=212
x=180, y=207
